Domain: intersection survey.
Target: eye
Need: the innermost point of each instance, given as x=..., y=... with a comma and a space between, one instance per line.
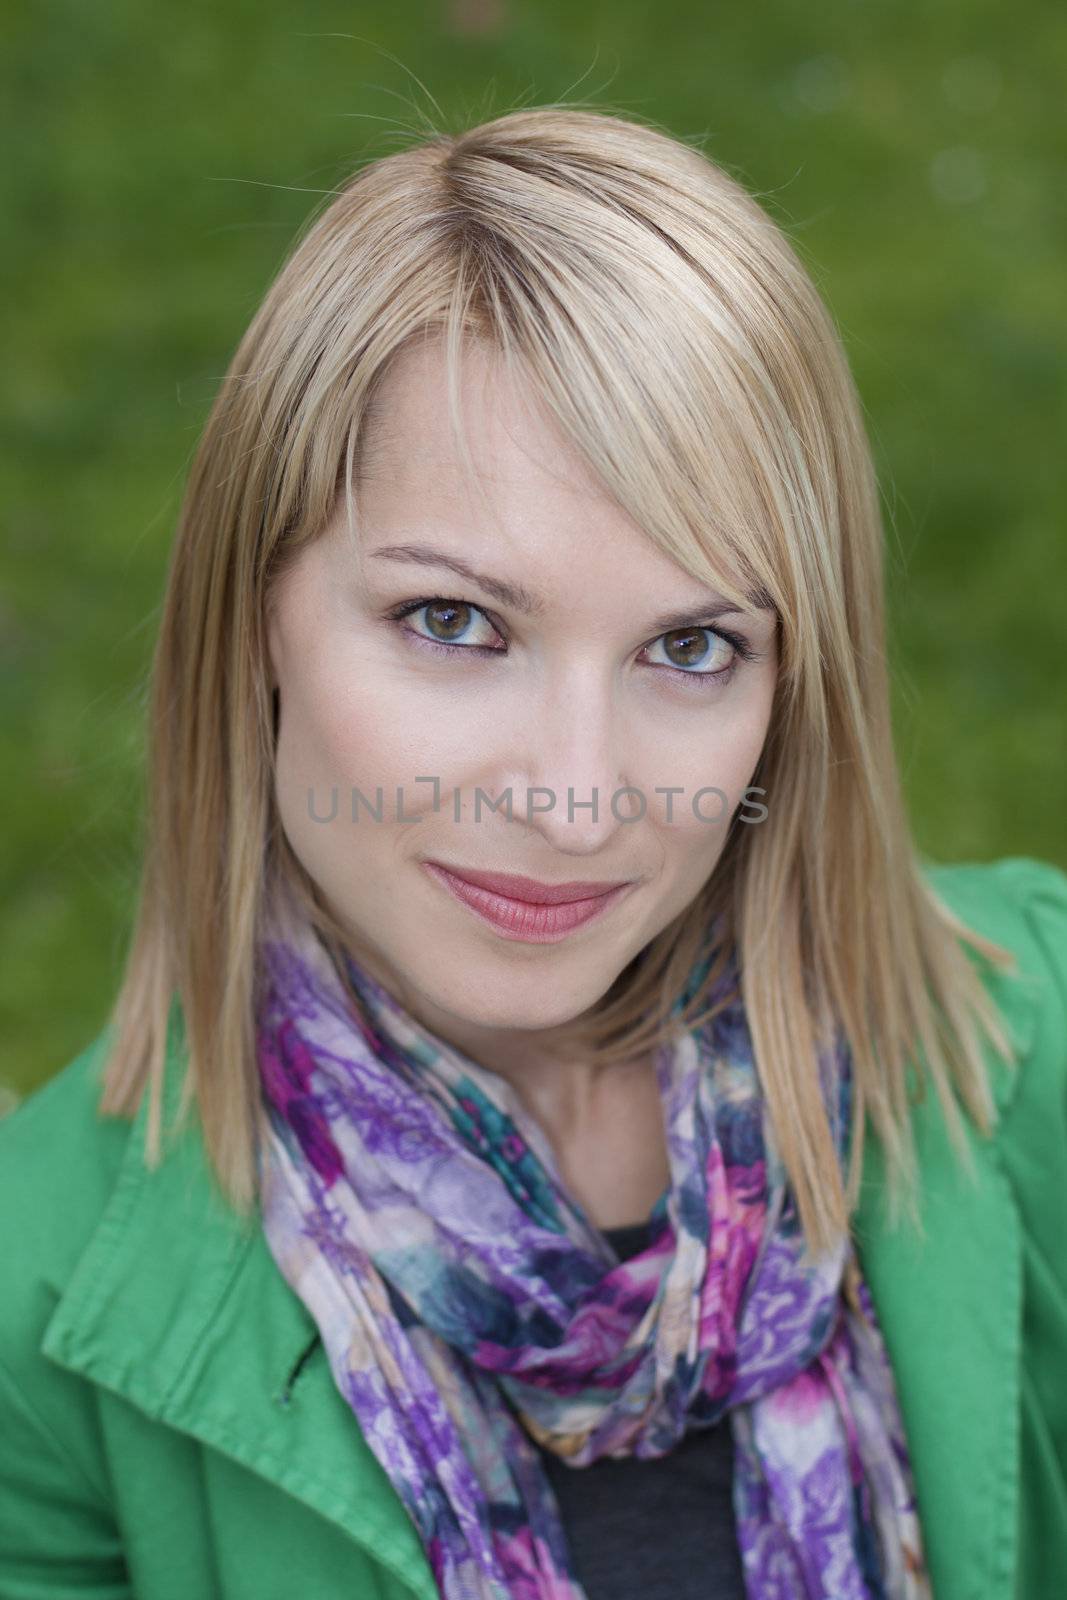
x=449, y=624
x=701, y=653
x=705, y=657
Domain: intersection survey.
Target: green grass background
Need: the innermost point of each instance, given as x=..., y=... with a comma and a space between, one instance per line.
x=161, y=159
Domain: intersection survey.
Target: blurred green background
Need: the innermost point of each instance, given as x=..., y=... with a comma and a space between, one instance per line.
x=160, y=161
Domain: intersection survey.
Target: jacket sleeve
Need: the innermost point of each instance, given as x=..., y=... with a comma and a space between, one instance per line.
x=58, y=1539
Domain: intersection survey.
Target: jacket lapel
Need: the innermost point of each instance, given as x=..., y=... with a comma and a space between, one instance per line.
x=178, y=1306
x=950, y=1307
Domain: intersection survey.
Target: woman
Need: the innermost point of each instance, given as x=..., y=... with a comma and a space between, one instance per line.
x=578, y=1147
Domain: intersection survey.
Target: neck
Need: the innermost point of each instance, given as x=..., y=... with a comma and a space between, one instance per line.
x=604, y=1121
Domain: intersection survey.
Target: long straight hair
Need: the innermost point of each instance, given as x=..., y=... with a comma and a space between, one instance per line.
x=677, y=339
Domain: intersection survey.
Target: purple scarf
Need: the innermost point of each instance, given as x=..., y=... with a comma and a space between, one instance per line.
x=468, y=1306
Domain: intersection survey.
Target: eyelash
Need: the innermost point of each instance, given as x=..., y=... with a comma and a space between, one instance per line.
x=743, y=651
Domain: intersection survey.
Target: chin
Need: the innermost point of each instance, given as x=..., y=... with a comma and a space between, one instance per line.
x=518, y=1005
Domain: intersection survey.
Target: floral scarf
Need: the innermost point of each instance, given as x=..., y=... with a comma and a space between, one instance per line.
x=467, y=1305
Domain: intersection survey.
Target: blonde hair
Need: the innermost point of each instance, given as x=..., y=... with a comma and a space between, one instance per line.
x=674, y=334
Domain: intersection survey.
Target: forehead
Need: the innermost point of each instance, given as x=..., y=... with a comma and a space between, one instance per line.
x=525, y=505
x=513, y=440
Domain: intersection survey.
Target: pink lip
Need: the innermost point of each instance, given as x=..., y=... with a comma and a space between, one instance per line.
x=514, y=887
x=522, y=908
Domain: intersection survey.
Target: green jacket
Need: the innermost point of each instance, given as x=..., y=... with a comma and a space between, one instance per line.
x=170, y=1429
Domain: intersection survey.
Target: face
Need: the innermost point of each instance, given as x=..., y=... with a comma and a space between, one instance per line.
x=527, y=642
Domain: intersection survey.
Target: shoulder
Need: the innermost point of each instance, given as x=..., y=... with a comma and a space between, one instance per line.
x=1020, y=903
x=1016, y=896
x=59, y=1159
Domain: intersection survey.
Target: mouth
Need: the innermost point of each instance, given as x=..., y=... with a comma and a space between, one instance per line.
x=525, y=909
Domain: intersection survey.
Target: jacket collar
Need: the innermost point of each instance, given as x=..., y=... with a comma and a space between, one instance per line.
x=168, y=1329
x=161, y=1308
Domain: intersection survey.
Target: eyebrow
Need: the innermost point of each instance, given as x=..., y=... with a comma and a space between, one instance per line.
x=518, y=598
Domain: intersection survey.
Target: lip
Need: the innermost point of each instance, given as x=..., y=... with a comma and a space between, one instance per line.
x=512, y=886
x=535, y=921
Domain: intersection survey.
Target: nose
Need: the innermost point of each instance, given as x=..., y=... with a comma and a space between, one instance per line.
x=570, y=783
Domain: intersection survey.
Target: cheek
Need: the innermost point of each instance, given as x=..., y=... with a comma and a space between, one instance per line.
x=719, y=752
x=326, y=747
x=341, y=726
x=736, y=752
x=350, y=723
x=713, y=766
x=333, y=741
